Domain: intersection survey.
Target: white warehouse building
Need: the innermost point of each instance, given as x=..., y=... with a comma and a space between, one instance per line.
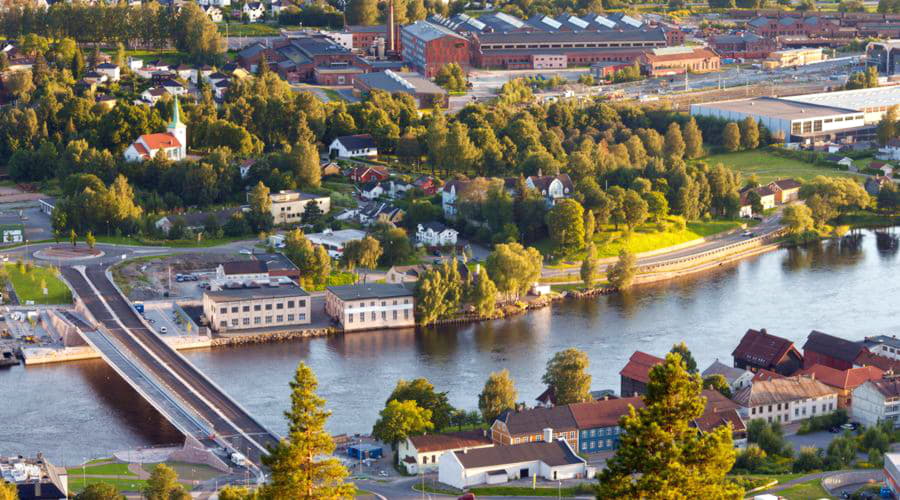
x=873, y=103
x=797, y=122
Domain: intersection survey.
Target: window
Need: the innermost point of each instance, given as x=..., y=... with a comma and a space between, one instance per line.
x=268, y=319
x=279, y=318
x=362, y=317
x=290, y=303
x=373, y=315
x=268, y=307
x=350, y=318
x=223, y=310
x=245, y=321
x=257, y=320
x=302, y=303
x=257, y=307
x=406, y=314
x=234, y=322
x=302, y=316
x=395, y=315
x=383, y=315
x=223, y=323
x=290, y=317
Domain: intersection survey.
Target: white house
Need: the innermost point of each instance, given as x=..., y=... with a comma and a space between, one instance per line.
x=95, y=77
x=153, y=94
x=398, y=189
x=173, y=87
x=371, y=190
x=890, y=151
x=449, y=194
x=737, y=378
x=354, y=146
x=786, y=400
x=549, y=460
x=110, y=70
x=551, y=187
x=876, y=401
x=845, y=161
x=241, y=272
x=220, y=88
x=254, y=11
x=212, y=12
x=216, y=3
x=276, y=7
x=334, y=241
x=172, y=144
x=421, y=453
x=135, y=64
x=435, y=234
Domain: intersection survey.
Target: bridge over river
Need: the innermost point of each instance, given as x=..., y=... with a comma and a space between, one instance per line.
x=186, y=397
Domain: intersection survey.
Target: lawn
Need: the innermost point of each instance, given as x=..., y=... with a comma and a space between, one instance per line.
x=805, y=491
x=645, y=238
x=188, y=472
x=769, y=167
x=168, y=56
x=28, y=285
x=203, y=243
x=255, y=29
x=110, y=469
x=76, y=484
x=520, y=491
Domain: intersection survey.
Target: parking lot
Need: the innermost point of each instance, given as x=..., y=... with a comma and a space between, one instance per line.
x=165, y=315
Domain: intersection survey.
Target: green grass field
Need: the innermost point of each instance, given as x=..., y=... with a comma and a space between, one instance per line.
x=255, y=29
x=76, y=483
x=203, y=243
x=188, y=472
x=644, y=238
x=769, y=167
x=805, y=491
x=111, y=469
x=28, y=286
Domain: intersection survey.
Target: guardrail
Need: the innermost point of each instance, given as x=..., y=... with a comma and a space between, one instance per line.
x=727, y=249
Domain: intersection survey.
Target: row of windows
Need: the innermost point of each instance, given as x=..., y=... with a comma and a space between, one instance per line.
x=601, y=444
x=383, y=303
x=539, y=437
x=592, y=45
x=606, y=431
x=268, y=320
x=259, y=307
x=797, y=410
x=362, y=316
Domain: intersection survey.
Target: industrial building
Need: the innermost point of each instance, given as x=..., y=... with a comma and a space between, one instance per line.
x=793, y=58
x=288, y=206
x=368, y=306
x=678, y=60
x=267, y=307
x=427, y=47
x=796, y=122
x=423, y=91
x=885, y=56
x=34, y=478
x=874, y=102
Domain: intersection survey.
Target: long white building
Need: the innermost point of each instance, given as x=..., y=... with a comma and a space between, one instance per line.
x=873, y=103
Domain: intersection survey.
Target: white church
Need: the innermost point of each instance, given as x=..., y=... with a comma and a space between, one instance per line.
x=172, y=143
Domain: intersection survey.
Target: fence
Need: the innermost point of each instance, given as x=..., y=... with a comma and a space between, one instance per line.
x=727, y=249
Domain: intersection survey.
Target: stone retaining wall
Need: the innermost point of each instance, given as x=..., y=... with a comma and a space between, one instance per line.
x=259, y=338
x=835, y=481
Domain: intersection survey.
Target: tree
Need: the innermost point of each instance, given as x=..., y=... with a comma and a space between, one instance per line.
x=514, y=268
x=400, y=420
x=749, y=133
x=621, y=274
x=362, y=12
x=78, y=63
x=301, y=465
x=235, y=493
x=888, y=126
x=693, y=139
x=689, y=362
x=674, y=144
x=717, y=382
x=657, y=206
x=567, y=375
x=437, y=292
x=459, y=151
x=731, y=137
x=260, y=215
x=98, y=491
x=755, y=201
x=483, y=294
x=416, y=11
x=312, y=213
x=499, y=394
x=451, y=77
x=634, y=208
x=73, y=237
x=589, y=266
x=422, y=392
x=565, y=223
x=20, y=84
x=163, y=484
x=661, y=455
x=361, y=253
x=590, y=225
x=8, y=491
x=90, y=239
x=798, y=219
x=197, y=35
x=306, y=165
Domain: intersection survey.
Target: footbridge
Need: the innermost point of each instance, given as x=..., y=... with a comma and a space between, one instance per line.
x=179, y=391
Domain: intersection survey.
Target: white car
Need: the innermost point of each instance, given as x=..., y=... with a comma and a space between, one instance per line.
x=246, y=251
x=163, y=329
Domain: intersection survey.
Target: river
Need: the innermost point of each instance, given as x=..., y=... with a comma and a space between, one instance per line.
x=83, y=410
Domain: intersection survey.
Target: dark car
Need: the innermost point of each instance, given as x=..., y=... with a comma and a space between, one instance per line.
x=834, y=430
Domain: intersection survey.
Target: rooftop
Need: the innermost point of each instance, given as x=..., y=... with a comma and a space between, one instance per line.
x=760, y=348
x=835, y=347
x=245, y=267
x=554, y=453
x=337, y=237
x=390, y=81
x=370, y=291
x=535, y=420
x=782, y=390
x=603, y=413
x=856, y=100
x=843, y=379
x=451, y=440
x=890, y=340
x=427, y=31
x=776, y=108
x=239, y=294
x=638, y=366
x=729, y=372
x=889, y=388
x=650, y=35
x=358, y=141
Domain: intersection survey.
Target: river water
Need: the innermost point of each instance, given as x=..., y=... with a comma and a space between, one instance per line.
x=84, y=410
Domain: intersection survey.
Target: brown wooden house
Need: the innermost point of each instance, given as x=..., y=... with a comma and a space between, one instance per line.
x=760, y=350
x=636, y=373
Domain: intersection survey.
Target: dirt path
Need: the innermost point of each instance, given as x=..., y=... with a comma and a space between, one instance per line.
x=138, y=470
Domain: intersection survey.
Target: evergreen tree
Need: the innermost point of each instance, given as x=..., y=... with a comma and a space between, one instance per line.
x=731, y=137
x=301, y=464
x=621, y=274
x=661, y=455
x=78, y=64
x=567, y=375
x=306, y=165
x=674, y=145
x=682, y=350
x=590, y=226
x=693, y=139
x=499, y=394
x=749, y=133
x=589, y=266
x=260, y=215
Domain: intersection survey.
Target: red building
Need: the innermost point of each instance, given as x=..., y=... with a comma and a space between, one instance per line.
x=678, y=60
x=743, y=45
x=760, y=350
x=427, y=47
x=365, y=174
x=828, y=350
x=811, y=27
x=636, y=373
x=364, y=36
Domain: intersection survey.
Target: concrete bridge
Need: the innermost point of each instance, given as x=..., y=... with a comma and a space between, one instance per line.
x=188, y=399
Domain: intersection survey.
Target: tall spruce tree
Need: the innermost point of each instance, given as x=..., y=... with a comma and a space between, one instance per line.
x=693, y=139
x=298, y=463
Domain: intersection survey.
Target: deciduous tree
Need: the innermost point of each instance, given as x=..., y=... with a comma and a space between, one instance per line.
x=731, y=137
x=400, y=420
x=749, y=133
x=163, y=485
x=567, y=375
x=499, y=394
x=483, y=294
x=693, y=139
x=621, y=274
x=565, y=223
x=674, y=145
x=514, y=268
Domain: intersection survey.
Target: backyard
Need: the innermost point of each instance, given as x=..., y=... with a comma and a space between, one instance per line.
x=769, y=167
x=27, y=280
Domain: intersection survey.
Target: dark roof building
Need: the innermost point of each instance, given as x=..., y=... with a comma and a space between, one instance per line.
x=244, y=267
x=450, y=440
x=760, y=350
x=553, y=454
x=423, y=91
x=370, y=291
x=523, y=426
x=358, y=141
x=828, y=350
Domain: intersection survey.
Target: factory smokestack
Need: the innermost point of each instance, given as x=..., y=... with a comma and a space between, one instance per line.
x=389, y=38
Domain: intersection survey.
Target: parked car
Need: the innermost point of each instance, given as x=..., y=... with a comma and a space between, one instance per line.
x=163, y=329
x=747, y=234
x=246, y=251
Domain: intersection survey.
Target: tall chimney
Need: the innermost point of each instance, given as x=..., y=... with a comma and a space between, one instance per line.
x=548, y=435
x=391, y=44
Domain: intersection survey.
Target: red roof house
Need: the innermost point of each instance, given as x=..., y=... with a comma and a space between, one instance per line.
x=758, y=349
x=823, y=349
x=636, y=373
x=369, y=173
x=844, y=380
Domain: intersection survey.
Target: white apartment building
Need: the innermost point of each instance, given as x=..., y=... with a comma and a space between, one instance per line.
x=369, y=306
x=267, y=307
x=876, y=401
x=242, y=272
x=334, y=241
x=786, y=400
x=883, y=345
x=288, y=206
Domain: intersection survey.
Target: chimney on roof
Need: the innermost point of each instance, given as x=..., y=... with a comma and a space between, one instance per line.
x=548, y=435
x=763, y=331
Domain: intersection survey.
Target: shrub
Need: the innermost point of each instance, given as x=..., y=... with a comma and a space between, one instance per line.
x=809, y=459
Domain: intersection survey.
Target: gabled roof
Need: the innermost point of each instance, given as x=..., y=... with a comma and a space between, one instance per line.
x=435, y=226
x=782, y=390
x=729, y=372
x=889, y=388
x=638, y=366
x=603, y=413
x=835, y=347
x=718, y=411
x=760, y=348
x=450, y=440
x=358, y=141
x=868, y=358
x=542, y=183
x=160, y=140
x=843, y=379
x=554, y=454
x=245, y=267
x=535, y=420
x=787, y=183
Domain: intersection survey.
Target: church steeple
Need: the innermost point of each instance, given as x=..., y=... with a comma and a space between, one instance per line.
x=176, y=116
x=177, y=128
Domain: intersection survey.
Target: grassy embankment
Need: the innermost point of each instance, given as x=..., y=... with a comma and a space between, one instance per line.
x=769, y=167
x=28, y=285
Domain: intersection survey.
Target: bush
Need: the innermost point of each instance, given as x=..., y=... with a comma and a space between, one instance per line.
x=809, y=459
x=823, y=422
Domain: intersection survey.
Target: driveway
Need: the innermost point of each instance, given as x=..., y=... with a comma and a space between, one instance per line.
x=815, y=439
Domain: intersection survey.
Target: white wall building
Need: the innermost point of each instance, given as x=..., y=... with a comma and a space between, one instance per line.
x=548, y=460
x=786, y=400
x=241, y=272
x=737, y=378
x=172, y=144
x=421, y=453
x=112, y=72
x=435, y=234
x=254, y=11
x=883, y=345
x=288, y=206
x=334, y=241
x=354, y=146
x=876, y=401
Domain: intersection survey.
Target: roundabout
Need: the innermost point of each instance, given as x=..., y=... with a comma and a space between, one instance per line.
x=66, y=253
